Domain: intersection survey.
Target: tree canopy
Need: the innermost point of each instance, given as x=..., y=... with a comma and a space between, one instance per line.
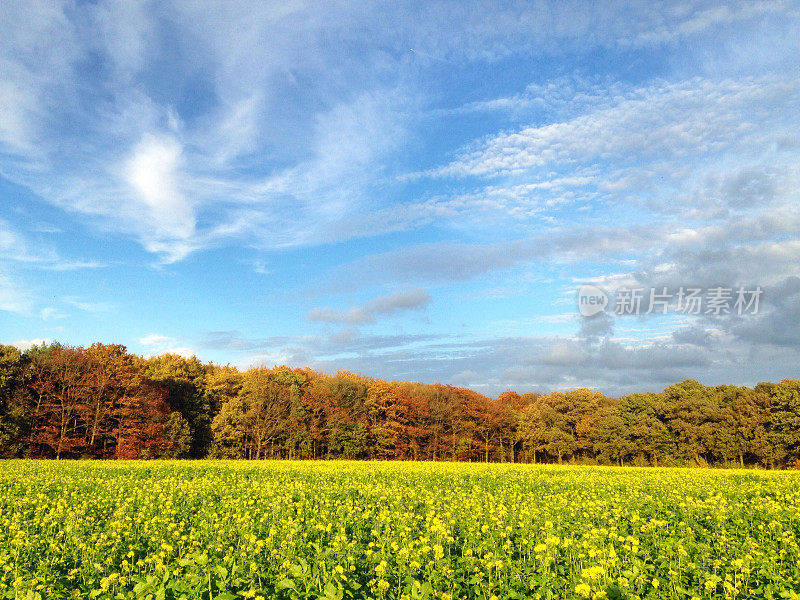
x=59, y=401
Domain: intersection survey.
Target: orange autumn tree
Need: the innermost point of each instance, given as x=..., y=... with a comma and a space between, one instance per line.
x=94, y=402
x=141, y=416
x=59, y=382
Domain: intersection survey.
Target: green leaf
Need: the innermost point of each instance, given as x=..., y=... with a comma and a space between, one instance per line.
x=221, y=571
x=285, y=584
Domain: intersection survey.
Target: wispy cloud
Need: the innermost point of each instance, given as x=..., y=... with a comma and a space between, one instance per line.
x=237, y=151
x=692, y=118
x=175, y=179
x=19, y=248
x=438, y=262
x=88, y=306
x=13, y=297
x=413, y=299
x=50, y=313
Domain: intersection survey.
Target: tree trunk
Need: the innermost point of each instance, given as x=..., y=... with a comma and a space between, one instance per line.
x=61, y=433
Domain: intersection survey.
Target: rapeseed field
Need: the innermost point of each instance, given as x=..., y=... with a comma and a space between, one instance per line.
x=394, y=530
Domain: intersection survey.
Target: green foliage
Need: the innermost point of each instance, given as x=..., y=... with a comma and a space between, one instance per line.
x=178, y=436
x=14, y=403
x=184, y=379
x=349, y=440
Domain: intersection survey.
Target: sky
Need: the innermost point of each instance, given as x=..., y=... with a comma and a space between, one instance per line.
x=408, y=190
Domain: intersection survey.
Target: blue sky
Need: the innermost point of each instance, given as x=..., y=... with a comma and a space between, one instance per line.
x=406, y=190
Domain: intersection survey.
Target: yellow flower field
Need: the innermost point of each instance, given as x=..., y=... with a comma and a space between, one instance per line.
x=337, y=530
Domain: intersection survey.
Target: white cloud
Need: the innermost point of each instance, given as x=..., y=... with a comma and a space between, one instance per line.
x=14, y=128
x=494, y=364
x=153, y=171
x=24, y=345
x=37, y=49
x=125, y=34
x=158, y=344
x=155, y=340
x=71, y=265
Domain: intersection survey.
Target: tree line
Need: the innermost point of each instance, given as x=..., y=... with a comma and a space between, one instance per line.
x=59, y=401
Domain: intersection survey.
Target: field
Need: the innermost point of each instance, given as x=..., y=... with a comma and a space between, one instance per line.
x=337, y=530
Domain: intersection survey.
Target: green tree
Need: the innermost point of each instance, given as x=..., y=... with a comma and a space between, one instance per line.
x=349, y=440
x=184, y=379
x=15, y=409
x=251, y=424
x=178, y=437
x=648, y=434
x=693, y=412
x=559, y=443
x=532, y=430
x=778, y=439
